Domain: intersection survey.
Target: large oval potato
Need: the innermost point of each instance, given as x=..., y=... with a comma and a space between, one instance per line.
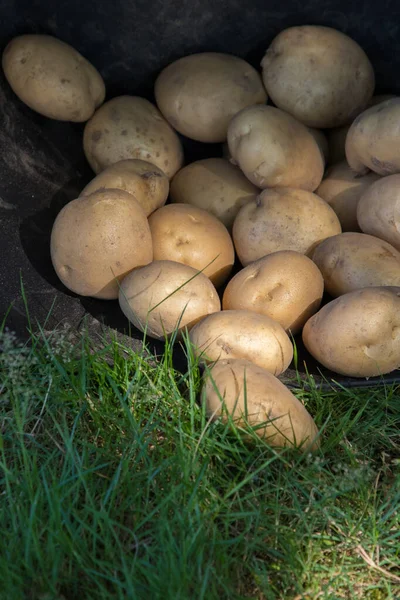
x=243, y=334
x=131, y=127
x=286, y=286
x=273, y=149
x=351, y=261
x=358, y=334
x=167, y=297
x=243, y=392
x=96, y=240
x=378, y=211
x=52, y=78
x=282, y=219
x=215, y=185
x=318, y=74
x=200, y=93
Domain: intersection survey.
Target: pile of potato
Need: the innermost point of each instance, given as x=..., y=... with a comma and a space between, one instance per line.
x=305, y=195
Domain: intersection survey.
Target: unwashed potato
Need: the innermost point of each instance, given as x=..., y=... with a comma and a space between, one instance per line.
x=378, y=211
x=242, y=392
x=274, y=150
x=96, y=240
x=358, y=334
x=200, y=93
x=147, y=183
x=192, y=236
x=131, y=127
x=351, y=261
x=341, y=188
x=243, y=334
x=215, y=185
x=166, y=297
x=286, y=286
x=318, y=74
x=52, y=78
x=282, y=219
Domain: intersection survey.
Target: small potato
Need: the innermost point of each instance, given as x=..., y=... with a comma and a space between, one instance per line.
x=96, y=240
x=215, y=185
x=131, y=127
x=147, y=183
x=52, y=78
x=243, y=392
x=286, y=286
x=351, y=261
x=200, y=93
x=165, y=297
x=282, y=219
x=358, y=334
x=274, y=150
x=378, y=211
x=243, y=334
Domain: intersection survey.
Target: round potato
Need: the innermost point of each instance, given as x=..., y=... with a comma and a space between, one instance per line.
x=378, y=211
x=167, y=297
x=243, y=334
x=285, y=286
x=322, y=141
x=282, y=219
x=96, y=240
x=274, y=150
x=318, y=74
x=200, y=93
x=358, y=334
x=214, y=185
x=342, y=189
x=351, y=261
x=242, y=392
x=131, y=127
x=52, y=78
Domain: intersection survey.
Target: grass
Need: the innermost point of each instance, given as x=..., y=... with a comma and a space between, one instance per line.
x=113, y=484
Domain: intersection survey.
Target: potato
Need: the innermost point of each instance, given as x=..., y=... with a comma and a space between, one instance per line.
x=190, y=235
x=286, y=286
x=351, y=261
x=317, y=74
x=215, y=185
x=358, y=334
x=378, y=211
x=247, y=394
x=243, y=334
x=274, y=150
x=341, y=188
x=52, y=78
x=166, y=297
x=200, y=93
x=131, y=127
x=96, y=240
x=282, y=219
x=322, y=141
x=147, y=183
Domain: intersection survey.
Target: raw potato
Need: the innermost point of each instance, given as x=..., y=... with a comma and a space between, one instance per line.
x=200, y=93
x=131, y=127
x=98, y=238
x=165, y=297
x=358, y=334
x=274, y=150
x=342, y=189
x=286, y=286
x=249, y=395
x=322, y=141
x=52, y=78
x=378, y=211
x=243, y=334
x=351, y=261
x=318, y=74
x=147, y=183
x=215, y=185
x=282, y=219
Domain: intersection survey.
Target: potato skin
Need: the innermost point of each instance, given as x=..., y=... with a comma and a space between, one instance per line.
x=98, y=238
x=378, y=211
x=358, y=334
x=251, y=395
x=53, y=78
x=243, y=334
